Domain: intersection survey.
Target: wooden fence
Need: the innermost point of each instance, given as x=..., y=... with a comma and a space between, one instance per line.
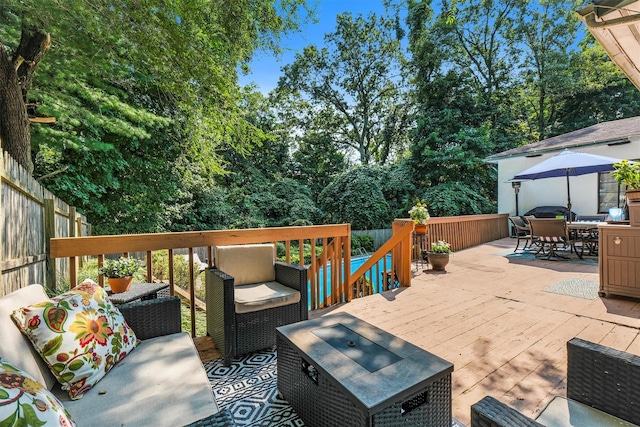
x=31, y=215
x=469, y=230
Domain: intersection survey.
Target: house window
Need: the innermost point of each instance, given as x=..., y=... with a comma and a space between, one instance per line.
x=610, y=195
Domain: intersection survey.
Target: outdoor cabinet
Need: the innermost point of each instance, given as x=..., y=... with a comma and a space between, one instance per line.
x=619, y=260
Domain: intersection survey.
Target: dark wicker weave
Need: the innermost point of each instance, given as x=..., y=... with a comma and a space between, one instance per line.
x=598, y=376
x=154, y=317
x=319, y=402
x=220, y=419
x=236, y=334
x=604, y=378
x=140, y=291
x=490, y=412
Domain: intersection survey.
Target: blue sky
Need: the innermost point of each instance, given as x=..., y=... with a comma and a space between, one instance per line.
x=265, y=68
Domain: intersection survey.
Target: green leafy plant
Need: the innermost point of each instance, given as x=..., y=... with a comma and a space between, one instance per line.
x=627, y=173
x=121, y=267
x=419, y=212
x=441, y=247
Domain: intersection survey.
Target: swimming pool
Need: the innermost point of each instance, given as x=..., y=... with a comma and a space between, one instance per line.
x=376, y=281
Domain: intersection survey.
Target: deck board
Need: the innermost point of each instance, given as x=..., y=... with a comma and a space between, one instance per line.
x=490, y=317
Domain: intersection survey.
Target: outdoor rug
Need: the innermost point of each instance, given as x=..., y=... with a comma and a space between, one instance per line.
x=573, y=258
x=575, y=287
x=248, y=388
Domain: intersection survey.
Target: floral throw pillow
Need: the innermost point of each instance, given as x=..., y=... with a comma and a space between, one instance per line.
x=26, y=402
x=80, y=334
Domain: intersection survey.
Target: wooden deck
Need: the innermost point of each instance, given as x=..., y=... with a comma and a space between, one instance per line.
x=490, y=317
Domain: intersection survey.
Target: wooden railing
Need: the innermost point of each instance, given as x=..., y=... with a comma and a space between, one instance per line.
x=390, y=265
x=99, y=246
x=378, y=273
x=396, y=272
x=463, y=232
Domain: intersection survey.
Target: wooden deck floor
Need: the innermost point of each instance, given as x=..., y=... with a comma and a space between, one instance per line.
x=489, y=316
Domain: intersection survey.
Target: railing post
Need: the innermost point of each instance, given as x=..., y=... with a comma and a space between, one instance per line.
x=347, y=264
x=402, y=256
x=49, y=233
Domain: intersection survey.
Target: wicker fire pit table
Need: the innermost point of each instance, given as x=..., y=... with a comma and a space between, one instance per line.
x=338, y=370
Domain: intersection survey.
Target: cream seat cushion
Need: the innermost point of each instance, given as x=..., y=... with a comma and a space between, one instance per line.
x=260, y=296
x=247, y=263
x=160, y=383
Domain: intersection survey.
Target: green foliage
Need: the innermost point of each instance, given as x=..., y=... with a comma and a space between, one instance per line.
x=628, y=174
x=440, y=247
x=281, y=252
x=121, y=267
x=356, y=197
x=362, y=241
x=354, y=83
x=160, y=268
x=201, y=320
x=457, y=198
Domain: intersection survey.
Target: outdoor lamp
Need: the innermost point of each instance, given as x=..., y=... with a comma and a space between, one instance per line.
x=516, y=188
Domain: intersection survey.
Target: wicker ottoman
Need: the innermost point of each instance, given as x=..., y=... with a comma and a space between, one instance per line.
x=338, y=370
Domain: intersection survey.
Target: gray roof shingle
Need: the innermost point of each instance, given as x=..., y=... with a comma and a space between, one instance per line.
x=601, y=133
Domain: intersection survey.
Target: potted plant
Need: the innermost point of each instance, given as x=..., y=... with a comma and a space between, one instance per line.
x=420, y=215
x=628, y=174
x=119, y=272
x=438, y=256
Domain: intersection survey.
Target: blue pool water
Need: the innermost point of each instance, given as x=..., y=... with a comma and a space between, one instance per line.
x=376, y=280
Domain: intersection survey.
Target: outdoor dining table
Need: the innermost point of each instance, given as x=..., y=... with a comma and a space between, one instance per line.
x=587, y=232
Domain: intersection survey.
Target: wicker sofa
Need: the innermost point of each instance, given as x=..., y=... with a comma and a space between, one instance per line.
x=161, y=382
x=599, y=377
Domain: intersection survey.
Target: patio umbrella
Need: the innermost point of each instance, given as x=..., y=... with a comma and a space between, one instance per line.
x=568, y=163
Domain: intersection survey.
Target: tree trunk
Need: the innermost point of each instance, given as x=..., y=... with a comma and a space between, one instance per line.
x=15, y=78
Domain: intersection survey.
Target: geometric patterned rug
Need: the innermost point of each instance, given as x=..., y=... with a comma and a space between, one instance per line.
x=248, y=388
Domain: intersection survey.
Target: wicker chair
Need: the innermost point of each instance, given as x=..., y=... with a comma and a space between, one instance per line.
x=248, y=295
x=597, y=376
x=552, y=233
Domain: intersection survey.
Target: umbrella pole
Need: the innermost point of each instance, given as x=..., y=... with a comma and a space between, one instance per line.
x=568, y=196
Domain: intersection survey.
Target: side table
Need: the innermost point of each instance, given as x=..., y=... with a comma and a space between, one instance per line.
x=338, y=370
x=420, y=243
x=139, y=291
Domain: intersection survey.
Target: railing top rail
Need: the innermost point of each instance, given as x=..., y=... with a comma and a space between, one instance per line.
x=464, y=218
x=97, y=245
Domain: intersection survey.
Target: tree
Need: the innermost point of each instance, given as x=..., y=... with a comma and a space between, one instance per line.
x=601, y=91
x=455, y=128
x=548, y=31
x=96, y=42
x=356, y=197
x=317, y=162
x=355, y=83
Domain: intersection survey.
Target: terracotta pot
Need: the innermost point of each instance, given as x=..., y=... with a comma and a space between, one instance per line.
x=438, y=261
x=421, y=228
x=119, y=284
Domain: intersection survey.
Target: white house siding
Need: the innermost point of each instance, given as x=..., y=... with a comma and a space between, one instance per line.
x=553, y=191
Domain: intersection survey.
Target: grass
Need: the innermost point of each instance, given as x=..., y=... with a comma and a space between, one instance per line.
x=201, y=321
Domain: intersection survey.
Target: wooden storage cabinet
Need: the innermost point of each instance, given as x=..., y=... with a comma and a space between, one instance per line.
x=619, y=260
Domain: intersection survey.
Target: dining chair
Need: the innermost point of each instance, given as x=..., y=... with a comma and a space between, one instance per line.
x=551, y=234
x=522, y=232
